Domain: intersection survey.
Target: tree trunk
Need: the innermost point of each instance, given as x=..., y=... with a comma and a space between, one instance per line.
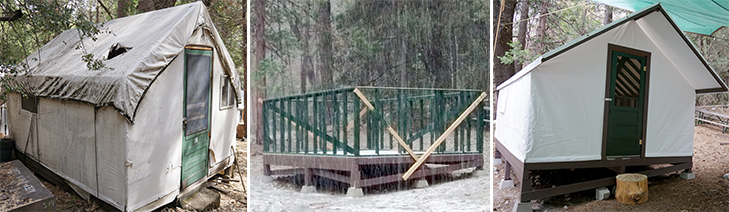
x=122, y=8
x=439, y=67
x=97, y=13
x=244, y=75
x=259, y=88
x=299, y=24
x=325, y=44
x=608, y=17
x=521, y=36
x=631, y=188
x=145, y=5
x=306, y=57
x=402, y=59
x=502, y=72
x=542, y=28
x=150, y=5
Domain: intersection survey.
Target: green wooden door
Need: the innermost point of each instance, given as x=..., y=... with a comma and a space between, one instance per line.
x=626, y=104
x=198, y=67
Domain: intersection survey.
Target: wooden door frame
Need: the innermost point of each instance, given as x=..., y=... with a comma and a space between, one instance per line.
x=606, y=110
x=196, y=47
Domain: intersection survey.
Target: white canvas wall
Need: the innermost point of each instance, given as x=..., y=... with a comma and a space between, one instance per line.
x=154, y=143
x=21, y=125
x=75, y=143
x=111, y=130
x=565, y=100
x=513, y=115
x=676, y=108
x=67, y=141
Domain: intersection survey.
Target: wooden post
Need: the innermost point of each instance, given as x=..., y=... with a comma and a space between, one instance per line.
x=631, y=188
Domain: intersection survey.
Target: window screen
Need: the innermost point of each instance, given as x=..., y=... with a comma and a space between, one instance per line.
x=29, y=103
x=227, y=96
x=627, y=84
x=198, y=67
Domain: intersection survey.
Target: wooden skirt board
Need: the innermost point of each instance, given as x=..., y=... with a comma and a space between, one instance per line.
x=359, y=172
x=521, y=170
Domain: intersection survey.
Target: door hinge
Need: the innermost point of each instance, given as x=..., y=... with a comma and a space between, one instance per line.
x=644, y=68
x=640, y=142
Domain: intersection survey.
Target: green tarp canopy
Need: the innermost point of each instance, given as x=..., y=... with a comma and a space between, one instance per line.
x=695, y=16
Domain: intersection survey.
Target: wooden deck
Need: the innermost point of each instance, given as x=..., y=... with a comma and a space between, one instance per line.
x=354, y=171
x=341, y=134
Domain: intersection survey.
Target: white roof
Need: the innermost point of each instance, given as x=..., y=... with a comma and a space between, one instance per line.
x=58, y=71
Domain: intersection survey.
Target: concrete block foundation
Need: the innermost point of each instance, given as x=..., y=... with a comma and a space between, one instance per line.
x=602, y=193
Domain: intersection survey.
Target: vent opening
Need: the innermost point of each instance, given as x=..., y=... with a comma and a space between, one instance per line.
x=116, y=50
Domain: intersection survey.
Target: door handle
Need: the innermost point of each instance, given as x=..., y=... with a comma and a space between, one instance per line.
x=608, y=99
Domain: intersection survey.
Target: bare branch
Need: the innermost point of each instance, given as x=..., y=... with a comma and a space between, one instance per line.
x=15, y=16
x=105, y=9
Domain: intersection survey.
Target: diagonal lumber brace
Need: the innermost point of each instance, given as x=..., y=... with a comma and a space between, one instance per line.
x=444, y=135
x=389, y=128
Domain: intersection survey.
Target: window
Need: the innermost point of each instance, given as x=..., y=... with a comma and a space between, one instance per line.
x=198, y=83
x=227, y=95
x=29, y=103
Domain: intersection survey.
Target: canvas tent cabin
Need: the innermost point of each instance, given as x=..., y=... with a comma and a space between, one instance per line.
x=135, y=135
x=622, y=95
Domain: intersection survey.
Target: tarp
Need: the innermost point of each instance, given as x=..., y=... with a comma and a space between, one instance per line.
x=553, y=110
x=697, y=16
x=57, y=70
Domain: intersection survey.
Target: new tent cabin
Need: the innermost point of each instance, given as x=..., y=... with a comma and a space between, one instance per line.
x=159, y=118
x=622, y=95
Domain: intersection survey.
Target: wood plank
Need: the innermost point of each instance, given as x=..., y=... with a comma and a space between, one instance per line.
x=437, y=159
x=310, y=161
x=665, y=170
x=713, y=122
x=445, y=135
x=712, y=113
x=287, y=171
x=330, y=175
x=566, y=189
x=606, y=163
x=516, y=165
x=420, y=173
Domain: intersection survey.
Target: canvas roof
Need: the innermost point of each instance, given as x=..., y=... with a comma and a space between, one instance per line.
x=57, y=70
x=701, y=17
x=672, y=41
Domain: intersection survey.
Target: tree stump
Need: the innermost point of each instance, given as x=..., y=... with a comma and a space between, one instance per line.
x=631, y=188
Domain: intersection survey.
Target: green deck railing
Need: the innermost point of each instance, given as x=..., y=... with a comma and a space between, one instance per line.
x=336, y=122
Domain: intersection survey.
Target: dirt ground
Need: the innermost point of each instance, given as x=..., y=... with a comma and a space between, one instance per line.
x=459, y=191
x=707, y=192
x=235, y=200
